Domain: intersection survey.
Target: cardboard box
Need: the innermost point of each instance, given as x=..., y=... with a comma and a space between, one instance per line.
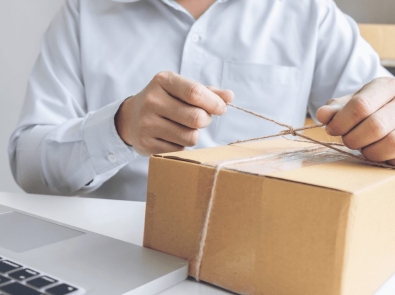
x=303, y=221
x=381, y=37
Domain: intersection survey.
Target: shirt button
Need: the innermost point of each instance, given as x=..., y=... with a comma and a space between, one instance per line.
x=195, y=38
x=111, y=158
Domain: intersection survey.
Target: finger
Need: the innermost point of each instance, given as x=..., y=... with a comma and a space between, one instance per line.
x=154, y=146
x=226, y=94
x=182, y=113
x=332, y=107
x=176, y=133
x=191, y=92
x=381, y=151
x=374, y=128
x=364, y=103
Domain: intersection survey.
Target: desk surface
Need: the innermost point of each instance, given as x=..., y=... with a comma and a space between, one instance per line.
x=123, y=220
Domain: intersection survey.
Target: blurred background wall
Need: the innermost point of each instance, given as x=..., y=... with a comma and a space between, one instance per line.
x=369, y=11
x=22, y=23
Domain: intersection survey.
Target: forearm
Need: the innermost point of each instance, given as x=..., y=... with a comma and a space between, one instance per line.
x=64, y=159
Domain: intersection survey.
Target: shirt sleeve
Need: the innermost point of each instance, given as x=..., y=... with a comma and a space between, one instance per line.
x=58, y=147
x=344, y=60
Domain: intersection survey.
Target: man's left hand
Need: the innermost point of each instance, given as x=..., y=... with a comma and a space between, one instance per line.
x=365, y=120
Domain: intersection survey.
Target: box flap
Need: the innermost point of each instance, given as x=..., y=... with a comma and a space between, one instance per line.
x=212, y=156
x=291, y=160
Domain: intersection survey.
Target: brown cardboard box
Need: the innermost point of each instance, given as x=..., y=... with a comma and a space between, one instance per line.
x=307, y=221
x=382, y=39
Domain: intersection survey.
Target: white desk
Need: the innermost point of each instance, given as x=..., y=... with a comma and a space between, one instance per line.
x=123, y=220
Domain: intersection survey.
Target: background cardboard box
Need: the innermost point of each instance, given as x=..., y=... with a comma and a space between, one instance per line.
x=382, y=39
x=320, y=226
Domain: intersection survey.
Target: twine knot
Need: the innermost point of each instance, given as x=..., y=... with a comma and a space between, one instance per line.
x=292, y=131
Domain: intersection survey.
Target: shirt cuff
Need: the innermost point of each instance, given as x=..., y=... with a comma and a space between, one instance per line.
x=105, y=147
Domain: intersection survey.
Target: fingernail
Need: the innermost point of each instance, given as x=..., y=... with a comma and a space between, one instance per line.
x=335, y=106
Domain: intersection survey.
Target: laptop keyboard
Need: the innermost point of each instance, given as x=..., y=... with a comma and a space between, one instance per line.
x=16, y=279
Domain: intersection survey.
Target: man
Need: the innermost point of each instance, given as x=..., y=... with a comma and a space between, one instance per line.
x=78, y=135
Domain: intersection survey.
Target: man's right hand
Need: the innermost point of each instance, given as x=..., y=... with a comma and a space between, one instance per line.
x=167, y=115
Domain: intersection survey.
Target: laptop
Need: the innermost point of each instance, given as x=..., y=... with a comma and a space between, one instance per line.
x=40, y=256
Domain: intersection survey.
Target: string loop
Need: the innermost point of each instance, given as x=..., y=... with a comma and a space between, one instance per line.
x=294, y=131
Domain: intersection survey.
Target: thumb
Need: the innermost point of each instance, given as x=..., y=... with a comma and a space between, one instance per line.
x=326, y=113
x=226, y=95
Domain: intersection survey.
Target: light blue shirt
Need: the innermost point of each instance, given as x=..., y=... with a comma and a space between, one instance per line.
x=280, y=57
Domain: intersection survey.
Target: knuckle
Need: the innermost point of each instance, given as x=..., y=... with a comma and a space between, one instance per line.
x=218, y=109
x=377, y=126
x=150, y=100
x=198, y=118
x=145, y=124
x=193, y=138
x=195, y=93
x=362, y=108
x=161, y=77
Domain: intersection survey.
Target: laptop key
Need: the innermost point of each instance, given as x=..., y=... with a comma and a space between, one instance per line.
x=23, y=274
x=3, y=280
x=6, y=266
x=19, y=289
x=61, y=289
x=42, y=282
